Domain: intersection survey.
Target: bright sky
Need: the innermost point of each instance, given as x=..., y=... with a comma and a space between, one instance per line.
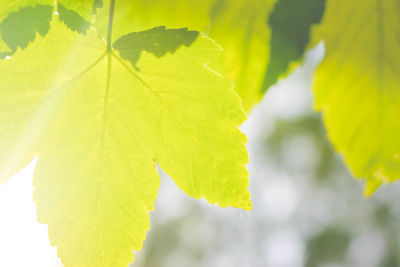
x=23, y=241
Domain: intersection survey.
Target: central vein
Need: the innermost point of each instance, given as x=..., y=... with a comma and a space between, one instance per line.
x=106, y=96
x=103, y=123
x=108, y=52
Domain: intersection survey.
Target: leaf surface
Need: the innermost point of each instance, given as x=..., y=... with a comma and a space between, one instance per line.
x=157, y=41
x=107, y=118
x=78, y=15
x=240, y=27
x=139, y=15
x=18, y=129
x=22, y=20
x=357, y=86
x=85, y=8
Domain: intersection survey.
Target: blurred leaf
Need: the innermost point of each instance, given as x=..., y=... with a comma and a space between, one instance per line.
x=357, y=86
x=309, y=126
x=96, y=5
x=329, y=246
x=240, y=27
x=290, y=23
x=99, y=125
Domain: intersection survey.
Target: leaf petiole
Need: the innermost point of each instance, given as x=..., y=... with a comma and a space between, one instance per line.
x=110, y=25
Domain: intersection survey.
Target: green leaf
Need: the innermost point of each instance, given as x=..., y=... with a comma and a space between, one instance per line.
x=78, y=15
x=85, y=8
x=102, y=124
x=97, y=4
x=240, y=27
x=290, y=23
x=73, y=20
x=357, y=86
x=30, y=20
x=20, y=21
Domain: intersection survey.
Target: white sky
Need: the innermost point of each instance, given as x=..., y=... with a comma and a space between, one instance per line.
x=23, y=241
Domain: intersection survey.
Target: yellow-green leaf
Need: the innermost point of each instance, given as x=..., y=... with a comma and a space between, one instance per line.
x=19, y=123
x=240, y=27
x=139, y=15
x=357, y=86
x=102, y=121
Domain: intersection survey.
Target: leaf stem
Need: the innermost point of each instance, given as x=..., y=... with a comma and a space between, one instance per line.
x=110, y=25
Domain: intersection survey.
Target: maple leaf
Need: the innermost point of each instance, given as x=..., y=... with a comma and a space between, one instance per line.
x=357, y=86
x=100, y=117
